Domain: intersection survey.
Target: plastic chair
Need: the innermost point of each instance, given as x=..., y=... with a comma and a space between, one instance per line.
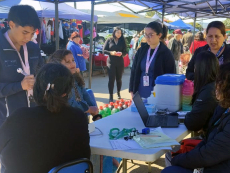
x=77, y=166
x=90, y=92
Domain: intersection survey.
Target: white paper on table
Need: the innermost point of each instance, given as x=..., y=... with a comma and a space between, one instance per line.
x=155, y=139
x=121, y=144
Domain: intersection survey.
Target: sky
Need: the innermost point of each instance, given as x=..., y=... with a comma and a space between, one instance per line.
x=116, y=7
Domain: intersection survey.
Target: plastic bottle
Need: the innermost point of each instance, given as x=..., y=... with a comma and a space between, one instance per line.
x=130, y=103
x=107, y=110
x=187, y=92
x=115, y=110
x=122, y=102
x=120, y=107
x=111, y=105
x=126, y=105
x=117, y=102
x=102, y=112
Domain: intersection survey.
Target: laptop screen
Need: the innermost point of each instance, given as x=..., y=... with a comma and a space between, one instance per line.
x=140, y=107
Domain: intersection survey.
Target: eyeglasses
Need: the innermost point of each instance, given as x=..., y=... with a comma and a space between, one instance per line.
x=149, y=35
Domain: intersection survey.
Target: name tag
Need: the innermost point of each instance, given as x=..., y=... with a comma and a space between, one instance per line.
x=146, y=80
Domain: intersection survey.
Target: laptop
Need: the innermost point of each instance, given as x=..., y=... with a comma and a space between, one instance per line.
x=155, y=120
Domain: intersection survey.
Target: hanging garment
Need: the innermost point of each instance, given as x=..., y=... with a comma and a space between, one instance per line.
x=61, y=31
x=48, y=33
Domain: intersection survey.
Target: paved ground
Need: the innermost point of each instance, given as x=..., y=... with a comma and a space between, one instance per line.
x=100, y=89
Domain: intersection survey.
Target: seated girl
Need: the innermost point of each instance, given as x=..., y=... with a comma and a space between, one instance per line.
x=78, y=97
x=212, y=154
x=203, y=100
x=40, y=138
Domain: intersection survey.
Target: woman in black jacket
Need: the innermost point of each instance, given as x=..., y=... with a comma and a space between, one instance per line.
x=203, y=100
x=215, y=38
x=151, y=60
x=116, y=48
x=212, y=154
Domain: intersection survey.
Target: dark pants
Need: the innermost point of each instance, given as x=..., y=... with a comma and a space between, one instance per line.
x=176, y=169
x=115, y=72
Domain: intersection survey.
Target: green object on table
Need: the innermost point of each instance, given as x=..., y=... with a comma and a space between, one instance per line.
x=115, y=133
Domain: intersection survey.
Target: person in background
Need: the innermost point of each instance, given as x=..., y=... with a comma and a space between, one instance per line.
x=176, y=47
x=169, y=36
x=40, y=138
x=215, y=37
x=187, y=40
x=18, y=51
x=199, y=41
x=142, y=39
x=151, y=60
x=116, y=47
x=74, y=46
x=132, y=50
x=79, y=97
x=212, y=153
x=73, y=28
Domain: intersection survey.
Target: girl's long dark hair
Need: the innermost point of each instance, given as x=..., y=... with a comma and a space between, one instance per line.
x=206, y=71
x=58, y=56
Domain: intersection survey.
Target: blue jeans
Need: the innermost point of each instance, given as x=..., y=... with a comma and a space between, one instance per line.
x=176, y=169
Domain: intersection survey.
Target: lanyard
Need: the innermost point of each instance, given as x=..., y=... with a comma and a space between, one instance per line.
x=25, y=66
x=218, y=53
x=148, y=61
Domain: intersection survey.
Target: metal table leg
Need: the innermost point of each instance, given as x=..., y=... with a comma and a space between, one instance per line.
x=119, y=167
x=124, y=165
x=149, y=167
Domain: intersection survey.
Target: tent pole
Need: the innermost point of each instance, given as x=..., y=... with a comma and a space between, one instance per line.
x=56, y=25
x=91, y=43
x=75, y=5
x=163, y=13
x=194, y=30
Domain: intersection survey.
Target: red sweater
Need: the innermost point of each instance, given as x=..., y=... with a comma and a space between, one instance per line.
x=197, y=44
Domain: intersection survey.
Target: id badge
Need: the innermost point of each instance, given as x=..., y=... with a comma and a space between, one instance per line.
x=146, y=80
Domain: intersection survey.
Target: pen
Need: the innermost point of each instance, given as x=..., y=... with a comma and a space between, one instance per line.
x=150, y=136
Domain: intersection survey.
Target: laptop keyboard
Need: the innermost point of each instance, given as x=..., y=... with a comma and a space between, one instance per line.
x=158, y=120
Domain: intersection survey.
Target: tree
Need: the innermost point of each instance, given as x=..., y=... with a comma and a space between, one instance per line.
x=152, y=13
x=198, y=26
x=227, y=23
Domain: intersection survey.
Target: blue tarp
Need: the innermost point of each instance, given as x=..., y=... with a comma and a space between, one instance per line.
x=60, y=1
x=46, y=9
x=182, y=25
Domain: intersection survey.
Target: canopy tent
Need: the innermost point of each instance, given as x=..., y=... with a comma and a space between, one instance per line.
x=190, y=9
x=182, y=25
x=46, y=9
x=132, y=21
x=123, y=17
